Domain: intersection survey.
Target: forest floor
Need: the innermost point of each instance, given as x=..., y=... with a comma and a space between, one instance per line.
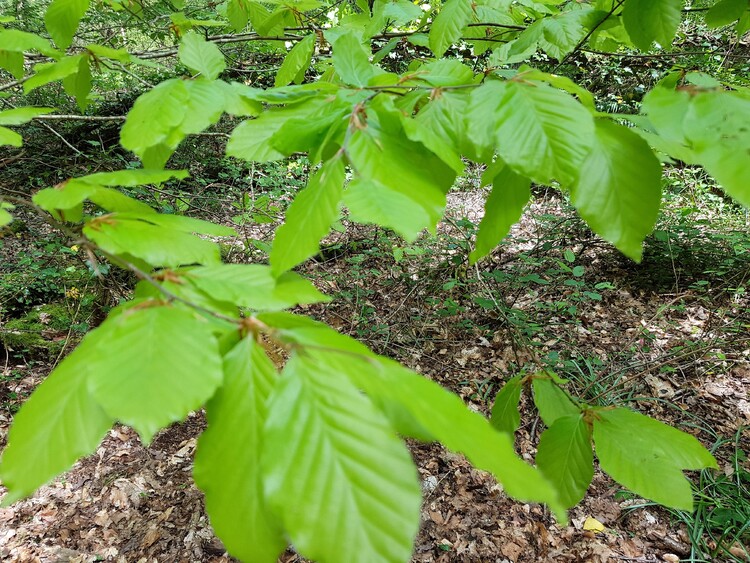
x=669, y=337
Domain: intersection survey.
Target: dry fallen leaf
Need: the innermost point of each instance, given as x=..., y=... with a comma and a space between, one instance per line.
x=593, y=525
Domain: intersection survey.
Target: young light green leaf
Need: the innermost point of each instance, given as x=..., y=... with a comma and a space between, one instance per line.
x=155, y=363
x=10, y=138
x=520, y=48
x=5, y=217
x=647, y=456
x=182, y=223
x=65, y=195
x=503, y=208
x=369, y=201
x=133, y=177
x=112, y=200
x=566, y=459
x=415, y=402
x=158, y=246
x=309, y=217
x=59, y=423
x=505, y=416
x=647, y=21
x=550, y=400
x=17, y=41
x=162, y=117
x=562, y=32
x=120, y=55
x=440, y=126
x=227, y=459
x=201, y=56
x=539, y=131
x=618, y=189
x=412, y=170
x=725, y=12
x=12, y=61
x=154, y=116
x=78, y=84
x=718, y=130
x=416, y=406
x=237, y=101
x=19, y=116
x=329, y=452
x=62, y=18
x=446, y=28
x=250, y=140
x=296, y=62
x=237, y=14
x=563, y=83
x=254, y=286
x=44, y=73
x=352, y=62
x=446, y=72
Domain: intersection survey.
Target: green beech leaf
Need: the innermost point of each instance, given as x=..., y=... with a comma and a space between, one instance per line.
x=309, y=217
x=251, y=139
x=44, y=73
x=19, y=116
x=647, y=456
x=62, y=18
x=352, y=62
x=725, y=12
x=78, y=84
x=134, y=177
x=418, y=403
x=296, y=61
x=12, y=61
x=520, y=48
x=370, y=201
x=154, y=116
x=155, y=364
x=618, y=189
x=412, y=170
x=254, y=286
x=72, y=193
x=446, y=28
x=505, y=416
x=157, y=245
x=565, y=457
x=5, y=217
x=329, y=452
x=164, y=115
x=227, y=459
x=181, y=223
x=440, y=126
x=550, y=400
x=121, y=55
x=563, y=83
x=647, y=21
x=10, y=138
x=718, y=130
x=59, y=423
x=562, y=32
x=446, y=72
x=538, y=130
x=503, y=208
x=201, y=56
x=237, y=101
x=416, y=406
x=18, y=41
x=112, y=200
x=65, y=195
x=237, y=14
x=319, y=133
